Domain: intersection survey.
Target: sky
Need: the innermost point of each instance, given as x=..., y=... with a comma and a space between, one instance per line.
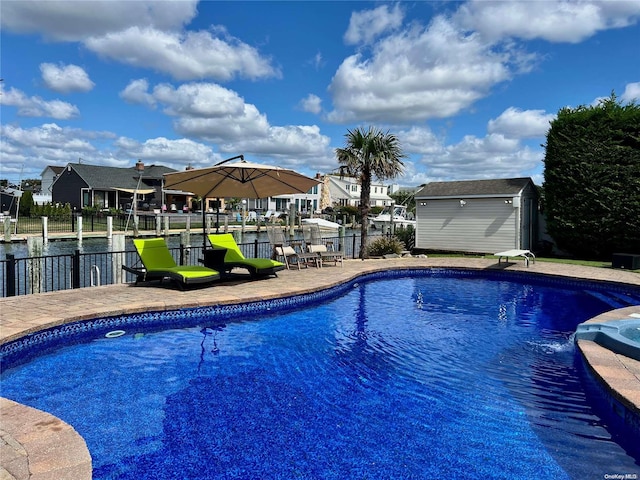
x=469, y=88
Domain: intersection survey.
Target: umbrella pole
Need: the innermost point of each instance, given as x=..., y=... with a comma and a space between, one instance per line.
x=218, y=215
x=204, y=227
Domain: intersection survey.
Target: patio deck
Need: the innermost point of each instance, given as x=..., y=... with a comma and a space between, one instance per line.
x=38, y=446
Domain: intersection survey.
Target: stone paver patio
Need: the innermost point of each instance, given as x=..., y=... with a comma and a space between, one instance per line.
x=37, y=446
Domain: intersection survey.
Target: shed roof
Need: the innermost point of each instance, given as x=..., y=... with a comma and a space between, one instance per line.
x=497, y=187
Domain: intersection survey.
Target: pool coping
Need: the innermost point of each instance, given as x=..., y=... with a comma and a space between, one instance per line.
x=41, y=451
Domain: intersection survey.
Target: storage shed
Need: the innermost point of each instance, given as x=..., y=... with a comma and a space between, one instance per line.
x=477, y=216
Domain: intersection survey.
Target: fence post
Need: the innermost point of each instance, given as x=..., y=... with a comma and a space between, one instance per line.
x=10, y=275
x=109, y=226
x=6, y=224
x=255, y=248
x=45, y=229
x=185, y=248
x=35, y=264
x=75, y=269
x=73, y=222
x=354, y=247
x=117, y=259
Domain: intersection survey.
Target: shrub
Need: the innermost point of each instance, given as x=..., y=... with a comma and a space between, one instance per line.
x=385, y=245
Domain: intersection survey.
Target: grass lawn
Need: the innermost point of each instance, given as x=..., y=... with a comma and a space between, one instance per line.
x=571, y=261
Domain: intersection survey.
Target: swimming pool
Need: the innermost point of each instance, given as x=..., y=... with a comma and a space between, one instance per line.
x=413, y=376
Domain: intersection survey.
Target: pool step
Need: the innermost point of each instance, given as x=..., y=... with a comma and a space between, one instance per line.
x=615, y=299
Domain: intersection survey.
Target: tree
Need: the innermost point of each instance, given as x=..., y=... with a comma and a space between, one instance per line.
x=368, y=154
x=592, y=179
x=26, y=203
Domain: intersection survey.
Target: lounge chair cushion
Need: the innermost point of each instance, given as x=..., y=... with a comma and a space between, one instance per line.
x=159, y=263
x=234, y=257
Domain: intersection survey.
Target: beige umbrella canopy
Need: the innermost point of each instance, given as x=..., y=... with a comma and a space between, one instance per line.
x=240, y=179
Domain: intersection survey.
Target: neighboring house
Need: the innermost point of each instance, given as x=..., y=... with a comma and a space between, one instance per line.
x=83, y=185
x=47, y=177
x=479, y=216
x=303, y=202
x=346, y=191
x=9, y=200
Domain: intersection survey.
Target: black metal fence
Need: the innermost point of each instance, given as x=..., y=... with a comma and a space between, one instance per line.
x=23, y=276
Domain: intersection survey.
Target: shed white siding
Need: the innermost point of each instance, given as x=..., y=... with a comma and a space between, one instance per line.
x=482, y=225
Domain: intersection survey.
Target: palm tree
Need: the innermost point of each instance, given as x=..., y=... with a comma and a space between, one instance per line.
x=367, y=154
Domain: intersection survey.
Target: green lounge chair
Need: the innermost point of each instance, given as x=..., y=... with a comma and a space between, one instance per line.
x=233, y=258
x=159, y=264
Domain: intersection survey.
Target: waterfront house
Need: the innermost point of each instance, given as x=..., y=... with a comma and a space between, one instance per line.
x=81, y=185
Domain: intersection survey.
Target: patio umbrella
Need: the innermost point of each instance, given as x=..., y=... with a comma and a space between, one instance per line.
x=240, y=179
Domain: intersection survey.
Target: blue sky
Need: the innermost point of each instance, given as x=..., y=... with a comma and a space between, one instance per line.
x=469, y=88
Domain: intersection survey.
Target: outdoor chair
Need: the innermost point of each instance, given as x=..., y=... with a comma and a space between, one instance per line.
x=226, y=256
x=288, y=251
x=158, y=264
x=318, y=246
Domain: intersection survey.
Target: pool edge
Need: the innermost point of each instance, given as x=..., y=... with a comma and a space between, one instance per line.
x=83, y=304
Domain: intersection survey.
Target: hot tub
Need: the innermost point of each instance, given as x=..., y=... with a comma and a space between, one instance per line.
x=620, y=336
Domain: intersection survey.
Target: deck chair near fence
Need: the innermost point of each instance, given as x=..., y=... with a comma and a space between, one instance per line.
x=158, y=264
x=233, y=258
x=317, y=245
x=286, y=251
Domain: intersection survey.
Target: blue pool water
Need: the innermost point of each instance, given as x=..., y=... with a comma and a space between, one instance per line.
x=410, y=377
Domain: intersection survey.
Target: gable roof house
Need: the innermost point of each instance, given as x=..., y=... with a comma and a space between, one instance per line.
x=477, y=216
x=48, y=176
x=83, y=185
x=346, y=191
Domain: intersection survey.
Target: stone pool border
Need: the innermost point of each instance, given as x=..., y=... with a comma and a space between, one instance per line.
x=620, y=376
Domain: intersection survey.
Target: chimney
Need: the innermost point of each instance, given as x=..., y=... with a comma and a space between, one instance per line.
x=139, y=166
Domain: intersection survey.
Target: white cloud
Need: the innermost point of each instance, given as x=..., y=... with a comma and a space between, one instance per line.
x=366, y=25
x=311, y=103
x=476, y=158
x=30, y=150
x=184, y=56
x=176, y=153
x=137, y=92
x=631, y=93
x=212, y=113
x=36, y=106
x=417, y=74
x=200, y=100
x=77, y=20
x=66, y=78
x=552, y=20
x=420, y=140
x=515, y=123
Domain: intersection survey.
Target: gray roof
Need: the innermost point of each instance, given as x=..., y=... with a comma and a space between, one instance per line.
x=498, y=187
x=103, y=178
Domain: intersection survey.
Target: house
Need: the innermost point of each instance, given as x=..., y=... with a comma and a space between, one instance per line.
x=480, y=216
x=304, y=203
x=82, y=185
x=47, y=177
x=345, y=190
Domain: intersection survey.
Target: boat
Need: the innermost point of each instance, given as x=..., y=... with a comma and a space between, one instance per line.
x=400, y=218
x=327, y=228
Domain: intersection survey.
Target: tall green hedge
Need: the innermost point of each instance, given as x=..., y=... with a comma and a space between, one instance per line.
x=592, y=179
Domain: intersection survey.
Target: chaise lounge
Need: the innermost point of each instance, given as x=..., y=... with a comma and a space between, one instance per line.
x=224, y=243
x=526, y=254
x=158, y=264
